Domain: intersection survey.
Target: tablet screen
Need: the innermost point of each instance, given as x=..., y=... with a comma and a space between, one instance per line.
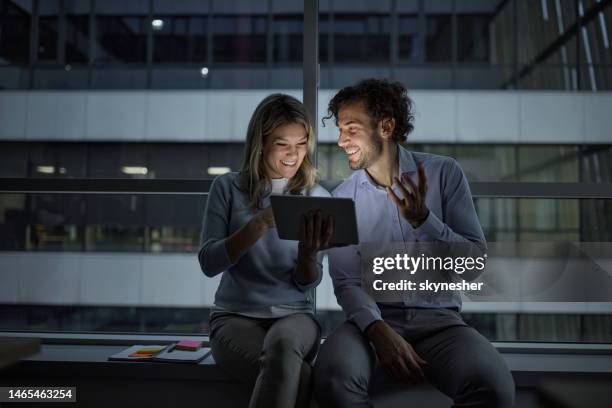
x=288, y=209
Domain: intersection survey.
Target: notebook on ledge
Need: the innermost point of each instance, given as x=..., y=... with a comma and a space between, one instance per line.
x=174, y=356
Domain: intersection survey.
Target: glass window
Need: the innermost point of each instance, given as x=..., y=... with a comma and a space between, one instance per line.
x=548, y=164
x=487, y=163
x=58, y=160
x=239, y=38
x=77, y=31
x=408, y=38
x=15, y=21
x=55, y=222
x=324, y=36
x=117, y=160
x=48, y=28
x=180, y=38
x=13, y=159
x=473, y=37
x=121, y=39
x=287, y=30
x=115, y=223
x=360, y=38
x=438, y=38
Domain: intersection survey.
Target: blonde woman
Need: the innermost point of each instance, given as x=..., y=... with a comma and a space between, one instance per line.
x=262, y=327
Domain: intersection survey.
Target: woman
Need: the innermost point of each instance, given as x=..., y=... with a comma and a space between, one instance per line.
x=262, y=327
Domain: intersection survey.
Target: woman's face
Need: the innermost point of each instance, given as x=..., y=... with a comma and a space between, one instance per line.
x=284, y=150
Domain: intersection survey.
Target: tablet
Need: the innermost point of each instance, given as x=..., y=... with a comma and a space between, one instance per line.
x=288, y=209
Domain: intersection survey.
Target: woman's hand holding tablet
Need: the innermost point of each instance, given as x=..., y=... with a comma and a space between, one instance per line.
x=289, y=210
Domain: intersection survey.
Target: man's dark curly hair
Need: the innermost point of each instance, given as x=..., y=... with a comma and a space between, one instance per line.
x=383, y=99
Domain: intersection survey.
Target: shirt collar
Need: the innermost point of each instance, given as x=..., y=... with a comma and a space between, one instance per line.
x=406, y=165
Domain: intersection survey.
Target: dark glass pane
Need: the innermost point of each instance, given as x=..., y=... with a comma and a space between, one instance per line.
x=409, y=38
x=287, y=31
x=13, y=159
x=15, y=27
x=55, y=222
x=548, y=164
x=179, y=38
x=115, y=160
x=596, y=164
x=487, y=163
x=502, y=36
x=239, y=38
x=121, y=39
x=362, y=38
x=173, y=160
x=47, y=39
x=324, y=29
x=438, y=38
x=473, y=37
x=77, y=39
x=57, y=160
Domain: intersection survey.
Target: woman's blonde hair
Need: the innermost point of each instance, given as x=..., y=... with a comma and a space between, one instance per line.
x=274, y=111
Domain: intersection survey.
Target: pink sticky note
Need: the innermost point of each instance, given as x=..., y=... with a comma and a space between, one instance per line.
x=188, y=345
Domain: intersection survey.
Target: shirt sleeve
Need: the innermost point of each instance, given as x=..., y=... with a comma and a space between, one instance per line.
x=315, y=283
x=345, y=271
x=460, y=220
x=213, y=255
x=460, y=224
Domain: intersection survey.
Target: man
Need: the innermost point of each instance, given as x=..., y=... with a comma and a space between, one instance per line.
x=402, y=196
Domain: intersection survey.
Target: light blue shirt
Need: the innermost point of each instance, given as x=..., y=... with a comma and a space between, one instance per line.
x=262, y=279
x=452, y=218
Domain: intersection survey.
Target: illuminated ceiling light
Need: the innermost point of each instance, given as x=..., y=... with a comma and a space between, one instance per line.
x=45, y=169
x=217, y=171
x=134, y=170
x=62, y=170
x=157, y=24
x=204, y=72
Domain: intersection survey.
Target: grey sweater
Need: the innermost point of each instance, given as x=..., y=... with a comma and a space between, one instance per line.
x=263, y=277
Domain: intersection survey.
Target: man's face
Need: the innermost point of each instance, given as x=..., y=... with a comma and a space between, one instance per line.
x=358, y=137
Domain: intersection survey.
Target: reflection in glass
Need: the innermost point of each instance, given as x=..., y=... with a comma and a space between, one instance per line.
x=179, y=38
x=47, y=38
x=121, y=39
x=287, y=31
x=77, y=39
x=239, y=38
x=15, y=38
x=473, y=37
x=438, y=38
x=362, y=38
x=408, y=40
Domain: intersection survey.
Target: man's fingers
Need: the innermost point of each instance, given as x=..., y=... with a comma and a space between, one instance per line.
x=413, y=187
x=394, y=197
x=408, y=195
x=414, y=367
x=302, y=228
x=403, y=372
x=309, y=228
x=328, y=231
x=420, y=360
x=318, y=228
x=422, y=181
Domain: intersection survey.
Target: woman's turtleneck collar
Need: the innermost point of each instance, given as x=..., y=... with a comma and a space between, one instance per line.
x=278, y=185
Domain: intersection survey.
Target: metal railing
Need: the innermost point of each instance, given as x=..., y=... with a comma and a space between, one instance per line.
x=200, y=187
